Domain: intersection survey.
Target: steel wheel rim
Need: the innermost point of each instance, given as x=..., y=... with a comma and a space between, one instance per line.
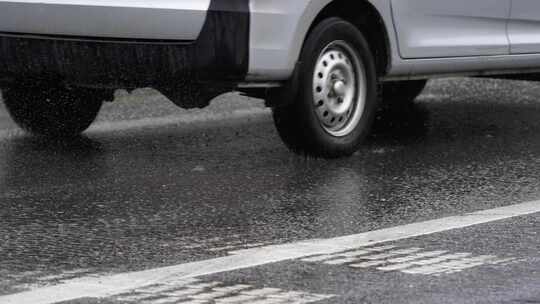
x=339, y=88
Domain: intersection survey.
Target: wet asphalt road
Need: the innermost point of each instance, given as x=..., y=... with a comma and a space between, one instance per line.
x=151, y=185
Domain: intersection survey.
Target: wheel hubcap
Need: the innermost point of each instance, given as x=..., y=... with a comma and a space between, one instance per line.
x=339, y=88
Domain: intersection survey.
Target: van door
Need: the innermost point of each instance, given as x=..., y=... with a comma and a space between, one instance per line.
x=524, y=27
x=443, y=28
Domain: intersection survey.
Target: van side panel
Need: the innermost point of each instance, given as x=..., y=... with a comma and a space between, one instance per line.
x=135, y=19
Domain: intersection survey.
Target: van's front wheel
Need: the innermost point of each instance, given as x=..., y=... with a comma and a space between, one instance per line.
x=336, y=94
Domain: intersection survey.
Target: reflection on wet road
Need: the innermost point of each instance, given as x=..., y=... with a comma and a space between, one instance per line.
x=139, y=198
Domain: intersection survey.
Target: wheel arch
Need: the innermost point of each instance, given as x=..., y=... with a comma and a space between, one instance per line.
x=279, y=29
x=367, y=18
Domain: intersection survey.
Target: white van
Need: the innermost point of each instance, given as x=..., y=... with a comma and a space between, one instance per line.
x=320, y=64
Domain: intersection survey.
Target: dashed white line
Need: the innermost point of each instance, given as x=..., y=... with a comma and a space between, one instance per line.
x=106, y=286
x=455, y=264
x=390, y=254
x=417, y=256
x=413, y=261
x=217, y=292
x=442, y=258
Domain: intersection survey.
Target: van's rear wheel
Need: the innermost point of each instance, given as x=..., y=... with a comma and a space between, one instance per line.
x=52, y=111
x=336, y=94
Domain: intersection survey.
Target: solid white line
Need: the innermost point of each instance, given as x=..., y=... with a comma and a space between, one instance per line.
x=105, y=286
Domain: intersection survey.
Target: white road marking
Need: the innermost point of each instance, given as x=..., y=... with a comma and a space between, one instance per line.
x=110, y=285
x=457, y=265
x=390, y=254
x=262, y=292
x=417, y=256
x=378, y=256
x=340, y=261
x=183, y=292
x=156, y=289
x=241, y=298
x=220, y=292
x=442, y=258
x=344, y=257
x=407, y=261
x=162, y=301
x=351, y=254
x=134, y=297
x=268, y=301
x=414, y=261
x=216, y=292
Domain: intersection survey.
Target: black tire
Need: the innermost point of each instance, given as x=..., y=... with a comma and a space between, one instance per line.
x=52, y=111
x=298, y=122
x=401, y=93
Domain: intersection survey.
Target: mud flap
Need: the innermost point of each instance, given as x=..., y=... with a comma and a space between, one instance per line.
x=221, y=52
